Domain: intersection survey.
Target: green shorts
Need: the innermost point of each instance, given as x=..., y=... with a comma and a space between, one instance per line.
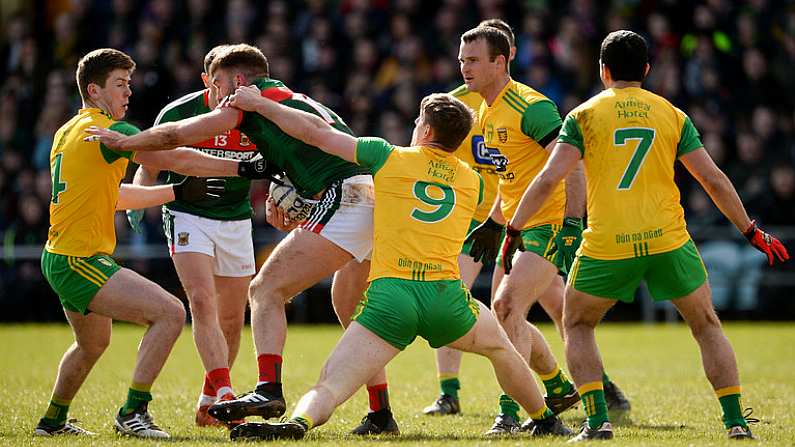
x=540, y=240
x=76, y=280
x=397, y=310
x=668, y=275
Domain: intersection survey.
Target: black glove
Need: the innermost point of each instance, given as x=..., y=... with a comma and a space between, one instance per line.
x=513, y=241
x=193, y=189
x=485, y=240
x=257, y=168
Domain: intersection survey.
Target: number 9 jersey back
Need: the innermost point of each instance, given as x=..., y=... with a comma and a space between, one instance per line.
x=424, y=201
x=630, y=139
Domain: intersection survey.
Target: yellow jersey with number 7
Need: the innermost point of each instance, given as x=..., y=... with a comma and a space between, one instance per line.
x=630, y=139
x=85, y=187
x=424, y=202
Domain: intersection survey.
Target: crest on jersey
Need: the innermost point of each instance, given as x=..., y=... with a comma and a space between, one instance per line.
x=502, y=135
x=182, y=238
x=244, y=140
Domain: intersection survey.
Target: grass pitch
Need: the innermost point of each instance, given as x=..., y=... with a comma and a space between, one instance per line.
x=657, y=366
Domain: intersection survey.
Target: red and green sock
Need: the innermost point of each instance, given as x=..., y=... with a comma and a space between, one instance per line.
x=56, y=412
x=556, y=383
x=449, y=384
x=729, y=398
x=379, y=397
x=593, y=400
x=270, y=368
x=139, y=394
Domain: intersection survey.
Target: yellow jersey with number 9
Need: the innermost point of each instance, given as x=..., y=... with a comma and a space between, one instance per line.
x=516, y=128
x=424, y=202
x=474, y=153
x=630, y=139
x=85, y=187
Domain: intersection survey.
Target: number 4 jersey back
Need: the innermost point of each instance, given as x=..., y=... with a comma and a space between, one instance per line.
x=630, y=139
x=424, y=202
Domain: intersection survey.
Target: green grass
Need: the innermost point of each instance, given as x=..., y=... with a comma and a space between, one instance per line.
x=657, y=366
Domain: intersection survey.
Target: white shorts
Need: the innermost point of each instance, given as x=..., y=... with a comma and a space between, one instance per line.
x=344, y=215
x=227, y=241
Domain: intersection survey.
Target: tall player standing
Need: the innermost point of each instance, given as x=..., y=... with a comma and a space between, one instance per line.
x=211, y=246
x=629, y=140
x=77, y=262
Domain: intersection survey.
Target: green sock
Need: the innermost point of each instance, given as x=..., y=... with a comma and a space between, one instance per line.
x=729, y=399
x=450, y=385
x=593, y=400
x=56, y=412
x=556, y=383
x=304, y=420
x=605, y=379
x=137, y=395
x=509, y=407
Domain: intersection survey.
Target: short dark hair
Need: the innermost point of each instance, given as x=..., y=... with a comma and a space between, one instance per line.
x=210, y=56
x=502, y=26
x=496, y=40
x=94, y=68
x=625, y=54
x=242, y=57
x=450, y=119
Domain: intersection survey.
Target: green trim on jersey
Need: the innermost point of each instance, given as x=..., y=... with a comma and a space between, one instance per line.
x=111, y=155
x=373, y=152
x=571, y=134
x=461, y=90
x=689, y=139
x=539, y=119
x=308, y=168
x=481, y=189
x=234, y=203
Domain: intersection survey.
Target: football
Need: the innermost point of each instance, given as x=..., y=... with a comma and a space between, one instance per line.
x=295, y=207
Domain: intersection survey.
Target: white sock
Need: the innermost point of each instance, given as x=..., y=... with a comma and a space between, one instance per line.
x=224, y=390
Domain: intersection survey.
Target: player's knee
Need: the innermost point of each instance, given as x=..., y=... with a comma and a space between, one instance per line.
x=203, y=304
x=174, y=313
x=94, y=347
x=503, y=308
x=706, y=323
x=266, y=292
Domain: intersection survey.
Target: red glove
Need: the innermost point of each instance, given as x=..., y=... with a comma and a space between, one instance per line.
x=766, y=243
x=513, y=241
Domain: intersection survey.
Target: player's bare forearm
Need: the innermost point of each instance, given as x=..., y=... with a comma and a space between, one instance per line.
x=134, y=197
x=564, y=159
x=145, y=176
x=301, y=125
x=180, y=133
x=718, y=186
x=575, y=192
x=188, y=161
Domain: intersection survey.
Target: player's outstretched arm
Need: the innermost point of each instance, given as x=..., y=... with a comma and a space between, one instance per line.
x=188, y=161
x=722, y=192
x=301, y=125
x=169, y=135
x=189, y=189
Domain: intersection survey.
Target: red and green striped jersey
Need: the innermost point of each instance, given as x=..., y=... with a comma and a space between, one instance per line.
x=308, y=168
x=234, y=203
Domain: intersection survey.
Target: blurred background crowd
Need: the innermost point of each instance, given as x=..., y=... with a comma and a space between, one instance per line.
x=728, y=64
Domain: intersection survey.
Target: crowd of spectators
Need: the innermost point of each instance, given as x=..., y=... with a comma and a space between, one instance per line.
x=729, y=65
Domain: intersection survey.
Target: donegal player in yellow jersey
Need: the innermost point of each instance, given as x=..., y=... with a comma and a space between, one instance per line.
x=77, y=260
x=519, y=126
x=630, y=139
x=424, y=200
x=474, y=152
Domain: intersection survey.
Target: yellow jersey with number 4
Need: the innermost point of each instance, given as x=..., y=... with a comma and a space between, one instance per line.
x=516, y=128
x=630, y=139
x=85, y=187
x=424, y=202
x=474, y=153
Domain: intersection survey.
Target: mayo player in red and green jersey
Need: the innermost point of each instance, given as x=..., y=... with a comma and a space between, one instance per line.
x=337, y=236
x=210, y=242
x=629, y=140
x=425, y=198
x=77, y=260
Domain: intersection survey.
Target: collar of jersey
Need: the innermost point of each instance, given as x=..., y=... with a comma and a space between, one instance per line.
x=95, y=110
x=438, y=152
x=502, y=92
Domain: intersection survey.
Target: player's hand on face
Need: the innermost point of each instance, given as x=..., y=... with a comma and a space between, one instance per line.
x=245, y=98
x=276, y=217
x=109, y=138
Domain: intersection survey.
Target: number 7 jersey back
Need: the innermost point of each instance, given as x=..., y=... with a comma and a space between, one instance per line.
x=630, y=139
